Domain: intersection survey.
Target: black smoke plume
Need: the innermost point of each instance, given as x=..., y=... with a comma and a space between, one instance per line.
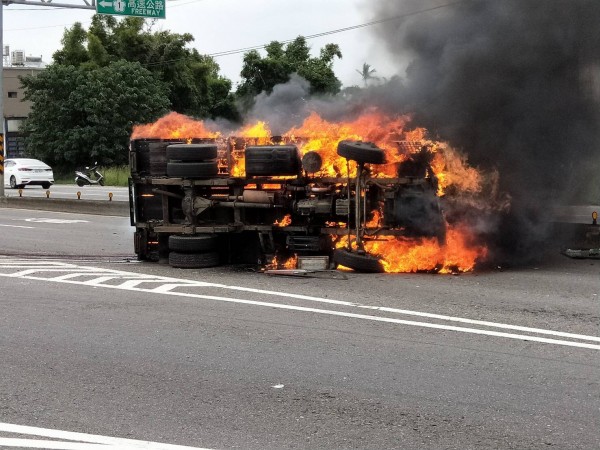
x=514, y=84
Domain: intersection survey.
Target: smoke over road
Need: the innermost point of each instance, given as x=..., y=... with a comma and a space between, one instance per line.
x=513, y=84
x=510, y=82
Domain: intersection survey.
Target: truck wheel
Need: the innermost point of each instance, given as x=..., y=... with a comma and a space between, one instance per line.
x=193, y=244
x=357, y=262
x=191, y=152
x=158, y=160
x=204, y=169
x=193, y=260
x=272, y=160
x=362, y=152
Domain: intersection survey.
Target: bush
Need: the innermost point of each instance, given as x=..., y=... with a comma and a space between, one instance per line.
x=115, y=176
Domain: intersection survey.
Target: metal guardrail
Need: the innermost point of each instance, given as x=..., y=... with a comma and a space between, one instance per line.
x=106, y=208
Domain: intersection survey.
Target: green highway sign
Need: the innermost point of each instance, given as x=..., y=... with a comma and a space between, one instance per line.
x=153, y=9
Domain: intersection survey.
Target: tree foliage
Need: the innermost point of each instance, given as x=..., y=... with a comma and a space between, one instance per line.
x=263, y=73
x=366, y=73
x=80, y=115
x=194, y=84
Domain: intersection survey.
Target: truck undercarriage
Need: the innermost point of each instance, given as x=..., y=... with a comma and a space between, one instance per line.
x=206, y=202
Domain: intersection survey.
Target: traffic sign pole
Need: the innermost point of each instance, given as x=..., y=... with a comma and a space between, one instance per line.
x=153, y=9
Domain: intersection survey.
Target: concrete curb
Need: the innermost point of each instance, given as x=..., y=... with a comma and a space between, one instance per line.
x=104, y=208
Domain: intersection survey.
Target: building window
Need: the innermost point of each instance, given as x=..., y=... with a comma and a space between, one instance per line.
x=12, y=95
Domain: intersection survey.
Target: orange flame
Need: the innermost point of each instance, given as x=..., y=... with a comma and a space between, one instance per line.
x=451, y=169
x=399, y=255
x=286, y=221
x=427, y=254
x=393, y=135
x=289, y=263
x=375, y=219
x=173, y=126
x=323, y=137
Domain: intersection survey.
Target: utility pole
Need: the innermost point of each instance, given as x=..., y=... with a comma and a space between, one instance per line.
x=2, y=151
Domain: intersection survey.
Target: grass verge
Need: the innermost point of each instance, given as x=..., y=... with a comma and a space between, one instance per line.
x=113, y=176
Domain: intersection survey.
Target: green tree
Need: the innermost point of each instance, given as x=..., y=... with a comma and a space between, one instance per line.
x=195, y=86
x=80, y=115
x=73, y=52
x=264, y=73
x=367, y=73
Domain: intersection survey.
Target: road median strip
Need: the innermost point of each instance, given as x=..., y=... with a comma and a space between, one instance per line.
x=101, y=207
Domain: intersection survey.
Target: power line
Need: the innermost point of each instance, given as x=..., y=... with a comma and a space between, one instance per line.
x=287, y=41
x=340, y=30
x=324, y=33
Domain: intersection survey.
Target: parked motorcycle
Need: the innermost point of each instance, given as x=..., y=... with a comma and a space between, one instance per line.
x=90, y=177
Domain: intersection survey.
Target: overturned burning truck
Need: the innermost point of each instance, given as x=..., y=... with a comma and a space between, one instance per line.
x=204, y=201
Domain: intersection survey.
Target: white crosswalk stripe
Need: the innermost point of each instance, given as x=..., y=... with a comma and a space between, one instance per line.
x=56, y=271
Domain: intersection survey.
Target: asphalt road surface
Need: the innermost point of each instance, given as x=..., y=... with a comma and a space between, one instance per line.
x=230, y=358
x=70, y=192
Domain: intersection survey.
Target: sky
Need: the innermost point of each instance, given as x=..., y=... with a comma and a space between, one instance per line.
x=223, y=25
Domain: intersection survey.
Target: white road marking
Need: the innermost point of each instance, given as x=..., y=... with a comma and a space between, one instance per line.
x=84, y=441
x=192, y=283
x=172, y=283
x=15, y=226
x=59, y=221
x=75, y=275
x=54, y=445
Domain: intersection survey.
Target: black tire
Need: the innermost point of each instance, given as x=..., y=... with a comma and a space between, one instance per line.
x=204, y=169
x=157, y=157
x=191, y=152
x=80, y=182
x=157, y=165
x=357, y=262
x=46, y=185
x=193, y=244
x=13, y=182
x=272, y=160
x=362, y=152
x=193, y=260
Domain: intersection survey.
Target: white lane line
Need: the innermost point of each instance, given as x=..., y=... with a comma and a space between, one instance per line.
x=169, y=287
x=15, y=226
x=54, y=445
x=29, y=262
x=523, y=337
x=172, y=283
x=410, y=312
x=134, y=283
x=26, y=272
x=483, y=323
x=75, y=275
x=106, y=442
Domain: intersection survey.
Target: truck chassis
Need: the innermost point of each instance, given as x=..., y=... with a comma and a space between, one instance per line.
x=191, y=206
